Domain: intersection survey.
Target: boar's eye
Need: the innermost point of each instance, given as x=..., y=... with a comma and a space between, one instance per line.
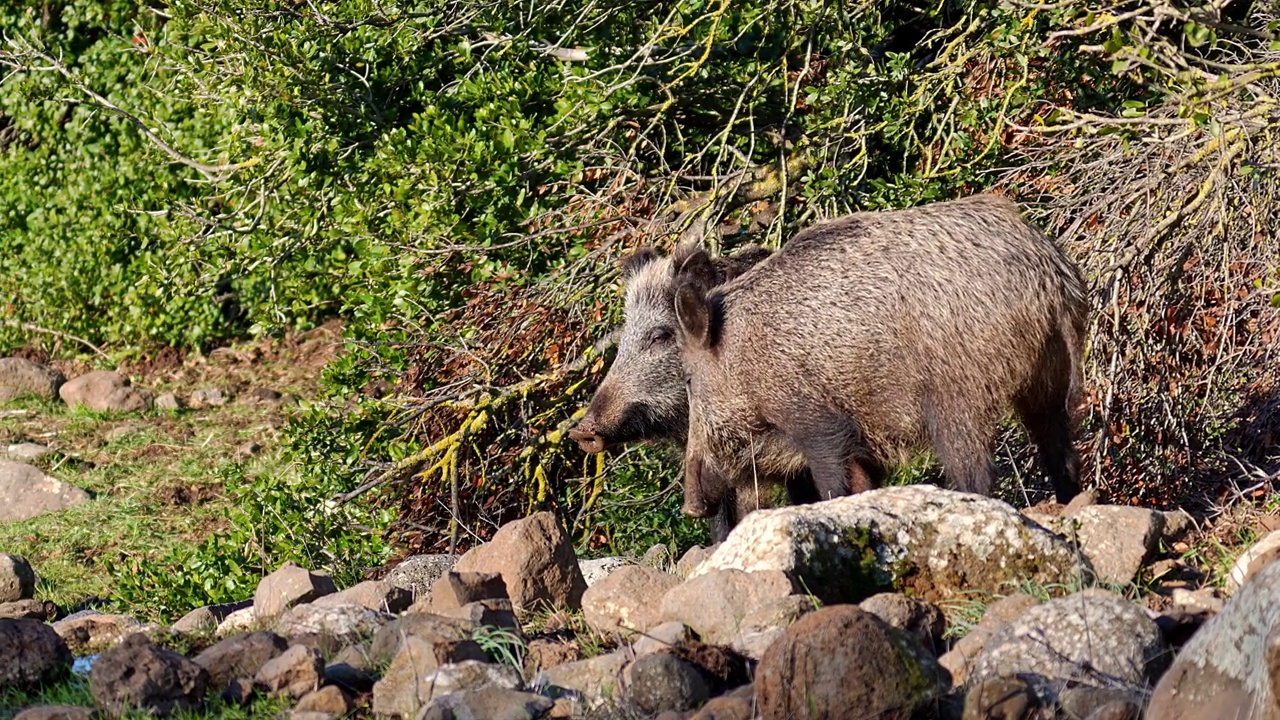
x=660, y=336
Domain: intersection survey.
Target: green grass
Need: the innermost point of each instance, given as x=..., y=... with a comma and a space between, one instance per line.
x=74, y=690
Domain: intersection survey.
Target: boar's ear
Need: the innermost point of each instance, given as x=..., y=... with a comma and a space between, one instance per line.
x=693, y=264
x=693, y=314
x=636, y=260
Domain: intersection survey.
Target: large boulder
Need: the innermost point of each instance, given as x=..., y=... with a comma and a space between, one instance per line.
x=536, y=560
x=628, y=599
x=138, y=675
x=1231, y=667
x=26, y=492
x=932, y=543
x=20, y=377
x=30, y=652
x=841, y=659
x=17, y=579
x=1093, y=638
x=717, y=604
x=104, y=391
x=289, y=586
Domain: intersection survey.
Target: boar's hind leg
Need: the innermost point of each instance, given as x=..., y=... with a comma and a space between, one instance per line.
x=964, y=449
x=1049, y=425
x=827, y=452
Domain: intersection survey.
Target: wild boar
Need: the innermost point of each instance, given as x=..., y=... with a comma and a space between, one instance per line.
x=642, y=397
x=877, y=335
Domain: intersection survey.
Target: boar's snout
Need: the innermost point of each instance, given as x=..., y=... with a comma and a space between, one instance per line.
x=695, y=499
x=588, y=439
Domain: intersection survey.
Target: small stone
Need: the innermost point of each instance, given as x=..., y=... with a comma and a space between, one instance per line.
x=91, y=630
x=238, y=621
x=692, y=558
x=17, y=579
x=203, y=399
x=1205, y=601
x=536, y=560
x=57, y=712
x=104, y=391
x=599, y=568
x=662, y=637
x=374, y=594
x=660, y=681
x=486, y=613
x=1086, y=498
x=726, y=708
x=921, y=619
x=26, y=492
x=137, y=674
x=1085, y=701
x=241, y=656
x=455, y=589
x=20, y=609
x=24, y=452
x=206, y=619
x=658, y=557
x=418, y=573
x=490, y=703
x=20, y=377
x=168, y=402
x=328, y=699
x=1005, y=698
x=33, y=652
x=629, y=599
x=294, y=673
x=755, y=643
x=289, y=586
x=388, y=640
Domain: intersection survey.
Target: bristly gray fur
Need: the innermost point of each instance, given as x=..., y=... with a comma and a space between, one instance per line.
x=882, y=333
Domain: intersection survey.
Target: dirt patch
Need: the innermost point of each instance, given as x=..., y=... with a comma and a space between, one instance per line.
x=187, y=494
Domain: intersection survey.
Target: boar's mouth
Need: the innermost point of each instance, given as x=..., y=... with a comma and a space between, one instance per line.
x=634, y=424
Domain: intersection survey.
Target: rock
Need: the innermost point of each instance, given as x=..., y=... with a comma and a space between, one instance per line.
x=923, y=620
x=1117, y=710
x=1262, y=553
x=599, y=568
x=755, y=643
x=546, y=653
x=374, y=594
x=968, y=648
x=535, y=559
x=1205, y=601
x=403, y=695
x=1092, y=638
x=592, y=681
x=241, y=656
x=244, y=451
x=418, y=573
x=343, y=623
x=289, y=586
x=692, y=558
x=932, y=542
x=29, y=609
x=24, y=452
x=261, y=395
x=57, y=712
x=19, y=378
x=662, y=637
x=1004, y=698
x=25, y=492
x=293, y=673
x=715, y=604
x=419, y=656
x=1177, y=524
x=660, y=681
x=104, y=391
x=839, y=658
x=490, y=703
x=92, y=630
x=168, y=401
x=455, y=589
x=203, y=399
x=1231, y=666
x=659, y=557
x=329, y=700
x=487, y=613
x=137, y=674
x=726, y=708
x=1117, y=540
x=17, y=579
x=32, y=652
x=722, y=667
x=387, y=641
x=238, y=692
x=238, y=621
x=207, y=618
x=629, y=599
x=1086, y=498
x=1086, y=702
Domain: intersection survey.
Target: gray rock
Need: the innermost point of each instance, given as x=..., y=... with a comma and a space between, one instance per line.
x=351, y=669
x=203, y=399
x=417, y=659
x=418, y=573
x=207, y=618
x=293, y=673
x=24, y=452
x=390, y=637
x=629, y=599
x=490, y=703
x=841, y=659
x=1004, y=698
x=936, y=542
x=923, y=620
x=662, y=637
x=405, y=695
x=238, y=621
x=329, y=700
x=660, y=682
x=1117, y=540
x=91, y=630
x=17, y=579
x=1087, y=702
x=344, y=623
x=535, y=557
x=593, y=681
x=30, y=609
x=241, y=656
x=1231, y=666
x=104, y=391
x=168, y=401
x=374, y=594
x=25, y=492
x=488, y=613
x=692, y=558
x=455, y=589
x=32, y=652
x=968, y=649
x=1092, y=638
x=1259, y=555
x=19, y=378
x=289, y=586
x=599, y=568
x=57, y=712
x=137, y=674
x=715, y=604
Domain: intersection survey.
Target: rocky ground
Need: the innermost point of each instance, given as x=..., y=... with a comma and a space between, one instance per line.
x=904, y=602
